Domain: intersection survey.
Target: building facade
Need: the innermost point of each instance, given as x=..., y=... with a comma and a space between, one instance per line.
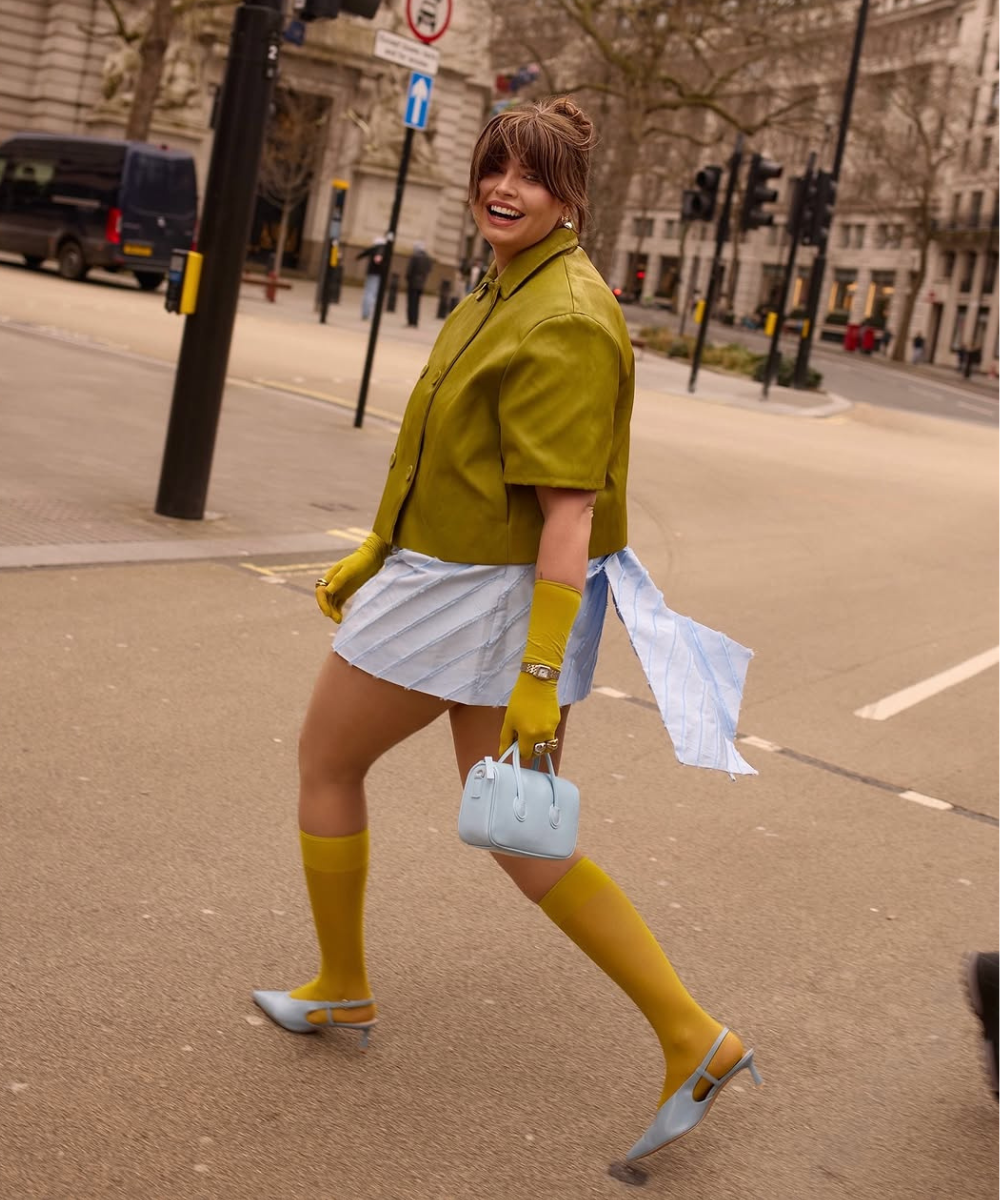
x=64, y=68
x=872, y=256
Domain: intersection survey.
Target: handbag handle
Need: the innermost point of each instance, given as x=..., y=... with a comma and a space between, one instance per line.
x=520, y=809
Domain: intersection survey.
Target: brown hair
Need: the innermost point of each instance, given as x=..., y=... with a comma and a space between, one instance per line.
x=552, y=137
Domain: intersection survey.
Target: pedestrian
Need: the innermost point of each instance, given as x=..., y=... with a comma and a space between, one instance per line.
x=417, y=270
x=886, y=340
x=867, y=338
x=963, y=353
x=918, y=348
x=481, y=595
x=375, y=254
x=973, y=357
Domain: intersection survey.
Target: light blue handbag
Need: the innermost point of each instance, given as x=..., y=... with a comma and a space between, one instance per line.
x=514, y=810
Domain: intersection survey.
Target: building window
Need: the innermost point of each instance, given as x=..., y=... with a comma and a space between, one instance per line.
x=991, y=116
x=859, y=237
x=956, y=208
x=969, y=264
x=668, y=283
x=845, y=236
x=984, y=153
x=772, y=235
x=670, y=228
x=975, y=209
x=990, y=275
x=642, y=226
x=947, y=264
x=845, y=284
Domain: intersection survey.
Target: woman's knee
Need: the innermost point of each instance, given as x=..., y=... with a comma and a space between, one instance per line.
x=535, y=877
x=326, y=760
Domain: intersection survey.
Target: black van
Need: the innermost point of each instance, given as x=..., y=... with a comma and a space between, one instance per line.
x=91, y=202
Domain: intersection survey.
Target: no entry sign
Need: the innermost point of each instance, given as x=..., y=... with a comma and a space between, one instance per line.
x=428, y=19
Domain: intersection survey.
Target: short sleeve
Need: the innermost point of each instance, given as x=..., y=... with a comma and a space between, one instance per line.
x=557, y=405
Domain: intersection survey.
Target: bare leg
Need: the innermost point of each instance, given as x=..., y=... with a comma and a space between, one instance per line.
x=352, y=720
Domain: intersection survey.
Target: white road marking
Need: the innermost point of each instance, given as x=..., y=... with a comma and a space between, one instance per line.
x=758, y=743
x=773, y=748
x=926, y=801
x=908, y=697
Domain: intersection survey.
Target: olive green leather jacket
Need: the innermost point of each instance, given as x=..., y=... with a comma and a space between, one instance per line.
x=529, y=383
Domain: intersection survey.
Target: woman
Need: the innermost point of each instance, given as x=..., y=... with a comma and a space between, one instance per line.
x=482, y=590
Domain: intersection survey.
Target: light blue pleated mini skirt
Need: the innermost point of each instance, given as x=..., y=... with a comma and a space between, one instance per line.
x=458, y=630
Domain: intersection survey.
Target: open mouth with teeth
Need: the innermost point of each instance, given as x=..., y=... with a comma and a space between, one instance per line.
x=500, y=212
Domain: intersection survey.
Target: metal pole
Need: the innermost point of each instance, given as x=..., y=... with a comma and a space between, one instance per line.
x=390, y=238
x=721, y=233
x=819, y=262
x=230, y=195
x=801, y=187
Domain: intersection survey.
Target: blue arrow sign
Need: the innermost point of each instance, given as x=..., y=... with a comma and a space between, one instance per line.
x=418, y=100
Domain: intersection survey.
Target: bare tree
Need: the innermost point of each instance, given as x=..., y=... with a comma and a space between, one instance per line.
x=651, y=72
x=908, y=129
x=148, y=30
x=289, y=157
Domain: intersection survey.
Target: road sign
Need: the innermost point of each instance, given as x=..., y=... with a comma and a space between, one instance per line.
x=405, y=52
x=418, y=100
x=428, y=19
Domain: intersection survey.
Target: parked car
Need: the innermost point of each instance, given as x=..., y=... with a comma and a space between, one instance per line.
x=94, y=202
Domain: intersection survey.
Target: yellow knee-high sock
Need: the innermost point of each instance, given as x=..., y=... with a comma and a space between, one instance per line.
x=336, y=869
x=595, y=913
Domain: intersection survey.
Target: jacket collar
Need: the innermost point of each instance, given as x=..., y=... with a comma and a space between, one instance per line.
x=525, y=264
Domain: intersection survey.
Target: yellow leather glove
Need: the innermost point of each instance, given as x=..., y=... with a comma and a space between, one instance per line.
x=343, y=579
x=533, y=710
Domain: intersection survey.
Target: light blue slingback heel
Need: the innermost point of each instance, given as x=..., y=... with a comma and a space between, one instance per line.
x=293, y=1014
x=681, y=1112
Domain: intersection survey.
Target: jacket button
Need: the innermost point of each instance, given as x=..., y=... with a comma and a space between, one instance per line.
x=409, y=473
x=435, y=377
x=392, y=459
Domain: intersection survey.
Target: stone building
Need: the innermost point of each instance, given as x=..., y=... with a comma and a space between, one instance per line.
x=63, y=68
x=872, y=255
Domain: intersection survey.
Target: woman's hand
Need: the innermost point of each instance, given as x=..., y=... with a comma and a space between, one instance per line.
x=532, y=715
x=346, y=576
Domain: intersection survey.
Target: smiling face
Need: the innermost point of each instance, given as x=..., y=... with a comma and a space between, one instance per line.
x=514, y=210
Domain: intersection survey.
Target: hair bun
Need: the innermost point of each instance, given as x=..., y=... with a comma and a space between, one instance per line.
x=563, y=106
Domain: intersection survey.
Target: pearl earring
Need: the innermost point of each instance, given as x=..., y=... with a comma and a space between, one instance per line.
x=567, y=223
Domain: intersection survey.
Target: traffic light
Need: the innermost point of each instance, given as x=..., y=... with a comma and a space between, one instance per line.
x=698, y=203
x=319, y=10
x=817, y=208
x=759, y=192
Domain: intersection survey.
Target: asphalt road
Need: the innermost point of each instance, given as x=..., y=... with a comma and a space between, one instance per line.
x=148, y=869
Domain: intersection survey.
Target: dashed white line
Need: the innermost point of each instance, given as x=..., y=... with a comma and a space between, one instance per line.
x=887, y=707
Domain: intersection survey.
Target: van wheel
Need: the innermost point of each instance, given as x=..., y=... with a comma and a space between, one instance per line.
x=33, y=260
x=71, y=261
x=149, y=281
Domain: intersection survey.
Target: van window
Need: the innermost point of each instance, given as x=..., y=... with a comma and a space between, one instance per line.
x=157, y=184
x=25, y=183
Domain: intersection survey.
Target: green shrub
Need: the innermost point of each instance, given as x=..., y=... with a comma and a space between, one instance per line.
x=786, y=373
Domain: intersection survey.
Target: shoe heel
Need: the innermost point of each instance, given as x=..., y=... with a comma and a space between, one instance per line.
x=366, y=1035
x=754, y=1073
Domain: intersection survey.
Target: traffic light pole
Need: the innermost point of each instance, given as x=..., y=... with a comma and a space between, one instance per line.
x=721, y=234
x=230, y=195
x=819, y=262
x=795, y=231
x=390, y=240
